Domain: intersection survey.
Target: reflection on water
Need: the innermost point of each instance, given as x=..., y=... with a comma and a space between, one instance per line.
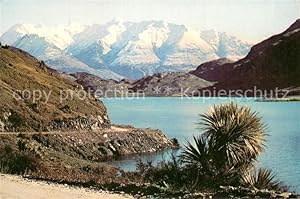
x=177, y=117
x=128, y=163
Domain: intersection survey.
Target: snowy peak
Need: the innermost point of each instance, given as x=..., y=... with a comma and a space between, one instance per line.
x=43, y=50
x=226, y=45
x=60, y=36
x=37, y=46
x=154, y=35
x=113, y=33
x=183, y=47
x=14, y=33
x=130, y=49
x=140, y=48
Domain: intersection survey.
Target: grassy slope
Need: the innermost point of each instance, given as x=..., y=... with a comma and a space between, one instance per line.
x=20, y=71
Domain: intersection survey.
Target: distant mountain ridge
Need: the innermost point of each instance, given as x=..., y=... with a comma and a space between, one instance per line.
x=121, y=49
x=270, y=64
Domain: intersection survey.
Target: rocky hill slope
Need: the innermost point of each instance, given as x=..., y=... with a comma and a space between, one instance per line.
x=213, y=70
x=161, y=84
x=34, y=97
x=169, y=84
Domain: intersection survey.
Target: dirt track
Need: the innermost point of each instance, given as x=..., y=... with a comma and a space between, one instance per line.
x=16, y=187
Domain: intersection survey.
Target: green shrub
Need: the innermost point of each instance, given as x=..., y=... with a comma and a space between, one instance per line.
x=15, y=119
x=17, y=162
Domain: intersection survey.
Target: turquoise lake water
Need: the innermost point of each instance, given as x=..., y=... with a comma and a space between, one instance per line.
x=177, y=117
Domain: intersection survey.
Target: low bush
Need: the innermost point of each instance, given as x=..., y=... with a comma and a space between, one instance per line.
x=15, y=119
x=17, y=162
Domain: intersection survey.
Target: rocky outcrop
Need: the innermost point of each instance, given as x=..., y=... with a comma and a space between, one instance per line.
x=79, y=123
x=96, y=145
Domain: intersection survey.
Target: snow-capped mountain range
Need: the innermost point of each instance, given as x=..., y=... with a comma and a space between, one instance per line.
x=121, y=49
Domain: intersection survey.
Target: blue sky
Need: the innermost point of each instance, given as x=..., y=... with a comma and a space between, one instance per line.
x=253, y=20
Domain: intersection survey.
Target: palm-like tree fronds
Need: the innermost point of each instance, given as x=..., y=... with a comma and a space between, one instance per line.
x=235, y=134
x=231, y=140
x=262, y=179
x=196, y=154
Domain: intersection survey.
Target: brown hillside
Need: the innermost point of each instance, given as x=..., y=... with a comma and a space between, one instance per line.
x=20, y=112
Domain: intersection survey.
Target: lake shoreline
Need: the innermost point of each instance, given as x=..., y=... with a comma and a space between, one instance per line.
x=77, y=157
x=178, y=117
x=285, y=99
